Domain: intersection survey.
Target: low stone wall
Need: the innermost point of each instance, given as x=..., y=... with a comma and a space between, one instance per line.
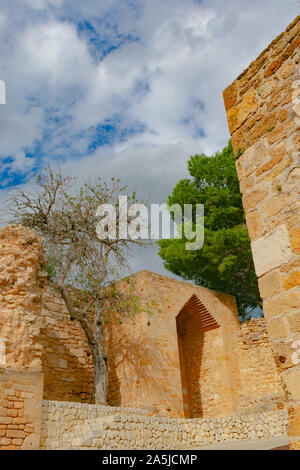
x=76, y=425
x=21, y=396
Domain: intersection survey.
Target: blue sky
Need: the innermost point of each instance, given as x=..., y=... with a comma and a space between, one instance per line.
x=123, y=88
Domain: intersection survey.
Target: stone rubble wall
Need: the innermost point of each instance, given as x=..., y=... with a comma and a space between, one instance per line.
x=21, y=257
x=76, y=425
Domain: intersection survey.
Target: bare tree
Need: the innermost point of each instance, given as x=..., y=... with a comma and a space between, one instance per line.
x=65, y=214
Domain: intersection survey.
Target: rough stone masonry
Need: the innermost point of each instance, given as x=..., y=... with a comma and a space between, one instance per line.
x=263, y=111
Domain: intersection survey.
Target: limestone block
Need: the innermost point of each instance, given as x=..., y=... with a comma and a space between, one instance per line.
x=294, y=322
x=293, y=428
x=230, y=96
x=287, y=70
x=271, y=251
x=294, y=176
x=269, y=284
x=269, y=165
x=247, y=184
x=267, y=88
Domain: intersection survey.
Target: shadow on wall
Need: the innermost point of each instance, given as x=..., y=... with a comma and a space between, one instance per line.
x=190, y=358
x=136, y=363
x=67, y=377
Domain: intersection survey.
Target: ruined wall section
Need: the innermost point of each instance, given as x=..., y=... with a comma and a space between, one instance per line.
x=263, y=110
x=67, y=359
x=81, y=426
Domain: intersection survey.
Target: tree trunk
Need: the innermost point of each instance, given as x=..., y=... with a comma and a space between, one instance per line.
x=100, y=363
x=94, y=335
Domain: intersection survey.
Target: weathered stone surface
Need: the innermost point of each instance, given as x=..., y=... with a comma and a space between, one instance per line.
x=294, y=322
x=132, y=344
x=269, y=284
x=247, y=184
x=238, y=362
x=295, y=238
x=254, y=224
x=262, y=128
x=21, y=393
x=251, y=200
x=230, y=96
x=66, y=426
x=274, y=205
x=287, y=70
x=271, y=251
x=267, y=87
x=20, y=299
x=277, y=328
x=254, y=157
x=268, y=166
x=238, y=115
x=294, y=175
x=294, y=421
x=279, y=168
x=292, y=280
x=281, y=304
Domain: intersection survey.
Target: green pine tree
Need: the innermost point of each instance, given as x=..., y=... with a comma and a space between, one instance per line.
x=225, y=262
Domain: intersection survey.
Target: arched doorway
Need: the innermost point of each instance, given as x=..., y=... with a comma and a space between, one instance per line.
x=203, y=363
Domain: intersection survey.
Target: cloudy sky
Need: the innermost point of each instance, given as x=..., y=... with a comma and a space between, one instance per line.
x=124, y=88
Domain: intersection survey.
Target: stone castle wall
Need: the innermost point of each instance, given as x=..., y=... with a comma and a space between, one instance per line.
x=263, y=110
x=66, y=360
x=21, y=297
x=21, y=381
x=261, y=387
x=189, y=328
x=81, y=426
x=145, y=353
